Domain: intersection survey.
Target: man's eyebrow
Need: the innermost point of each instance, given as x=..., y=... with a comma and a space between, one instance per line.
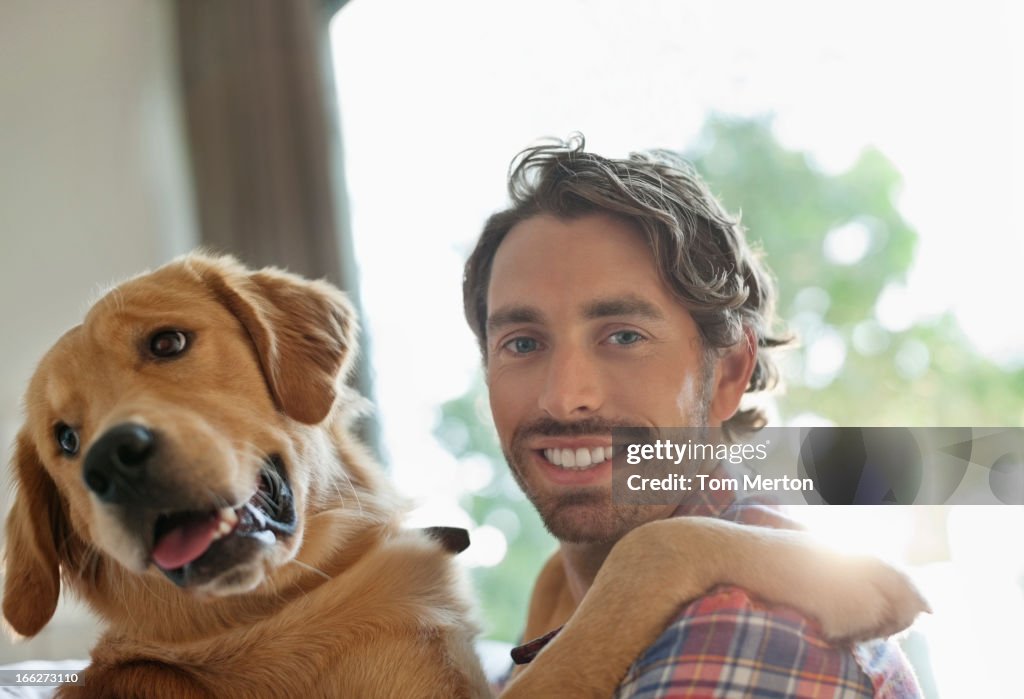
x=510, y=315
x=628, y=305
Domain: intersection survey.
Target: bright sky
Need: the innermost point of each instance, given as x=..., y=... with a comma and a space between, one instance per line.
x=436, y=98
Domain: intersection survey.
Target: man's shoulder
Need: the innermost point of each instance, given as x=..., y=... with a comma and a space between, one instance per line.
x=729, y=643
x=759, y=513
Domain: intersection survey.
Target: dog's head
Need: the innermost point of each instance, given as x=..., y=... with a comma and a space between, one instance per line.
x=176, y=433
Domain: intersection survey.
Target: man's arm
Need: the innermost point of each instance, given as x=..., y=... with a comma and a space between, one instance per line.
x=726, y=644
x=661, y=565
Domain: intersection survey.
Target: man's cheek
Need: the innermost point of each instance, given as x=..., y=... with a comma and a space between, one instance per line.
x=500, y=410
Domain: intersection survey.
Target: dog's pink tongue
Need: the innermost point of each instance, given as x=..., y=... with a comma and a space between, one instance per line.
x=184, y=543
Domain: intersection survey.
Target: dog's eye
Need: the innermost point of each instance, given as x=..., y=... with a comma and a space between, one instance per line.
x=67, y=438
x=168, y=343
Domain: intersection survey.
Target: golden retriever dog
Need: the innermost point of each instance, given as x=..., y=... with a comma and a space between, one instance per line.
x=187, y=468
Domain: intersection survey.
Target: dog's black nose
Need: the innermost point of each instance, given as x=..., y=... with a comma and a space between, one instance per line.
x=115, y=465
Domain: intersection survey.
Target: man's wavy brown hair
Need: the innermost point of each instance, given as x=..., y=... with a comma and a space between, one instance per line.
x=700, y=250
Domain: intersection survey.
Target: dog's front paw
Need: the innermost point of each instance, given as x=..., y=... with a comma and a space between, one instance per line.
x=869, y=599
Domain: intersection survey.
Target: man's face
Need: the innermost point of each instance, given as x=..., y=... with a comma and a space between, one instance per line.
x=583, y=336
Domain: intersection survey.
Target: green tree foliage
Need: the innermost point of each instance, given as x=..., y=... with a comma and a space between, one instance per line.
x=925, y=374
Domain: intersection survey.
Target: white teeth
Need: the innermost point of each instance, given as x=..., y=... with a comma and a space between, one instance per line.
x=581, y=458
x=227, y=518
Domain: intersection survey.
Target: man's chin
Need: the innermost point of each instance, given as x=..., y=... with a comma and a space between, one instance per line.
x=582, y=515
x=584, y=518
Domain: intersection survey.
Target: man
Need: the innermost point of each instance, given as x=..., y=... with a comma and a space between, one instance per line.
x=619, y=293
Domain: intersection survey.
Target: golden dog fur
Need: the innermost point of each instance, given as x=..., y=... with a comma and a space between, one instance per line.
x=349, y=604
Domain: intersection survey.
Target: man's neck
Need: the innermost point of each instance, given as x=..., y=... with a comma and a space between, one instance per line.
x=581, y=562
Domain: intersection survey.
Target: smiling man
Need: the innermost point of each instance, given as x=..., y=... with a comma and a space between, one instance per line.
x=619, y=293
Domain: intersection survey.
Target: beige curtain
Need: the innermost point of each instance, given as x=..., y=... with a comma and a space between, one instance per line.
x=262, y=132
x=264, y=138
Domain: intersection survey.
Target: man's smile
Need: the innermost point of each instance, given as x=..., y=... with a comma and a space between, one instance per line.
x=578, y=458
x=576, y=452
x=572, y=465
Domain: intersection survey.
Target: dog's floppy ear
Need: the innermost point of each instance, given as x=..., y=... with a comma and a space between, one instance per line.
x=304, y=331
x=35, y=524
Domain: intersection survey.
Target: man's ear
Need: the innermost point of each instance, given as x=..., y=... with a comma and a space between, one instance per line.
x=304, y=331
x=733, y=369
x=35, y=525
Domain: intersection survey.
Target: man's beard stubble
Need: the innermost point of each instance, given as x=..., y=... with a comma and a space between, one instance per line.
x=588, y=515
x=584, y=515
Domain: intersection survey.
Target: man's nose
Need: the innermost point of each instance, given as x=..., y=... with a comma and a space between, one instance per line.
x=573, y=387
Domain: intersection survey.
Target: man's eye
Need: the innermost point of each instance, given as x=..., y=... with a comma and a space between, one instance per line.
x=521, y=345
x=67, y=438
x=625, y=337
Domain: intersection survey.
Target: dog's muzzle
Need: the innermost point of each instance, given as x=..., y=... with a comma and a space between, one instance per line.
x=189, y=542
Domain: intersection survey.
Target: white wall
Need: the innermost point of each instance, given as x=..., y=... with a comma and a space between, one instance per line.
x=93, y=188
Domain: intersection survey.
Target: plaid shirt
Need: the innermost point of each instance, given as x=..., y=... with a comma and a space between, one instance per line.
x=726, y=644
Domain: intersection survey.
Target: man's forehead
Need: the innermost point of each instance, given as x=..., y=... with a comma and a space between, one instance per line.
x=590, y=236
x=597, y=264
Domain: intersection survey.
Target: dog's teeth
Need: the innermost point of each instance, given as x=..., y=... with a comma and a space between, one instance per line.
x=257, y=515
x=224, y=528
x=228, y=516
